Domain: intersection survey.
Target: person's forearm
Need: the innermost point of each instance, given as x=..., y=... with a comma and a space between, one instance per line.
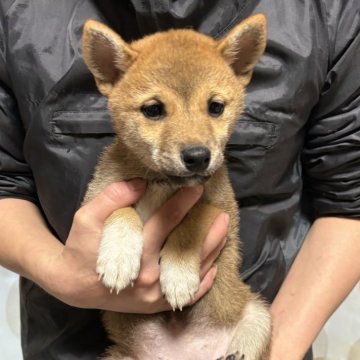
x=25, y=241
x=324, y=272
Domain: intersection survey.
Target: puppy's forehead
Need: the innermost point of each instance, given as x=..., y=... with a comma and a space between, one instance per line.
x=173, y=39
x=180, y=59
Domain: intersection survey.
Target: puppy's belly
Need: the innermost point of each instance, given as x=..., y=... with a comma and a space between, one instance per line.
x=159, y=342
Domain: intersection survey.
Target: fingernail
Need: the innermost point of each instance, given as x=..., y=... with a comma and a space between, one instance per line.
x=198, y=189
x=226, y=218
x=214, y=271
x=136, y=184
x=223, y=242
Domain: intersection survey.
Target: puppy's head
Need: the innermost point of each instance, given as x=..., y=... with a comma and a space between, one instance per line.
x=175, y=96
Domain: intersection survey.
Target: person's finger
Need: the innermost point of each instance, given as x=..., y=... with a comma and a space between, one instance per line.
x=208, y=262
x=113, y=197
x=215, y=236
x=167, y=217
x=153, y=300
x=205, y=285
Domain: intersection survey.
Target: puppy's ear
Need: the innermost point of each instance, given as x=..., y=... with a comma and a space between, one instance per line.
x=243, y=46
x=106, y=55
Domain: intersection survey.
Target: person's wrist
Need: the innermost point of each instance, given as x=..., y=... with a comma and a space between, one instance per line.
x=45, y=267
x=72, y=281
x=63, y=280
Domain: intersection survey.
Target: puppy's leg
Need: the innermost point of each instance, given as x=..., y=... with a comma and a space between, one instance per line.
x=120, y=249
x=251, y=340
x=180, y=256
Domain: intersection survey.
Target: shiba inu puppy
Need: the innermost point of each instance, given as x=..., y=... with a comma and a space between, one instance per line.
x=175, y=98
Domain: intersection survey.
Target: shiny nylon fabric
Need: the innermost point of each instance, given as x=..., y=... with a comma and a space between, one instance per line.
x=294, y=155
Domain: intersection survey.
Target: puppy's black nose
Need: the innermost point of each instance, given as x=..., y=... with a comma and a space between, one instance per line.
x=196, y=158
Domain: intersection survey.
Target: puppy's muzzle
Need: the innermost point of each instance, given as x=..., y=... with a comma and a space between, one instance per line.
x=196, y=158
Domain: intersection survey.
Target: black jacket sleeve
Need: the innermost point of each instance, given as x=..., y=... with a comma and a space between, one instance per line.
x=16, y=179
x=332, y=148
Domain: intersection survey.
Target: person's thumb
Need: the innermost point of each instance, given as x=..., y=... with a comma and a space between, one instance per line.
x=113, y=197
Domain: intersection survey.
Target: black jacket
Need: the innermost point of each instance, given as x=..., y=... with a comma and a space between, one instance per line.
x=294, y=156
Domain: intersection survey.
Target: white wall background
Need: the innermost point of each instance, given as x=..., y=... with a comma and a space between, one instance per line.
x=339, y=340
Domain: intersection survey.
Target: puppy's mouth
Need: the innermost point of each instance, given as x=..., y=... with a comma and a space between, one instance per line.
x=188, y=180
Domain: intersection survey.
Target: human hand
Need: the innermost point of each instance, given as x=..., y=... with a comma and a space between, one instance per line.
x=73, y=278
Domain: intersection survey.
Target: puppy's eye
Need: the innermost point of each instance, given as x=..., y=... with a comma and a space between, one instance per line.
x=154, y=111
x=215, y=108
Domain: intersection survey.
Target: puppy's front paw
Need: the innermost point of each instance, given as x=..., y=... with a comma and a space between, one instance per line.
x=179, y=282
x=118, y=263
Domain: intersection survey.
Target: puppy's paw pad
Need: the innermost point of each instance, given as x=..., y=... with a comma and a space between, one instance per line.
x=118, y=263
x=235, y=356
x=178, y=284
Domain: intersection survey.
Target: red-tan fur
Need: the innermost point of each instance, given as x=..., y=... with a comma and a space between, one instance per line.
x=183, y=69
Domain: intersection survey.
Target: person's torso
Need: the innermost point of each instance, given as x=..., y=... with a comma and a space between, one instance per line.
x=67, y=124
